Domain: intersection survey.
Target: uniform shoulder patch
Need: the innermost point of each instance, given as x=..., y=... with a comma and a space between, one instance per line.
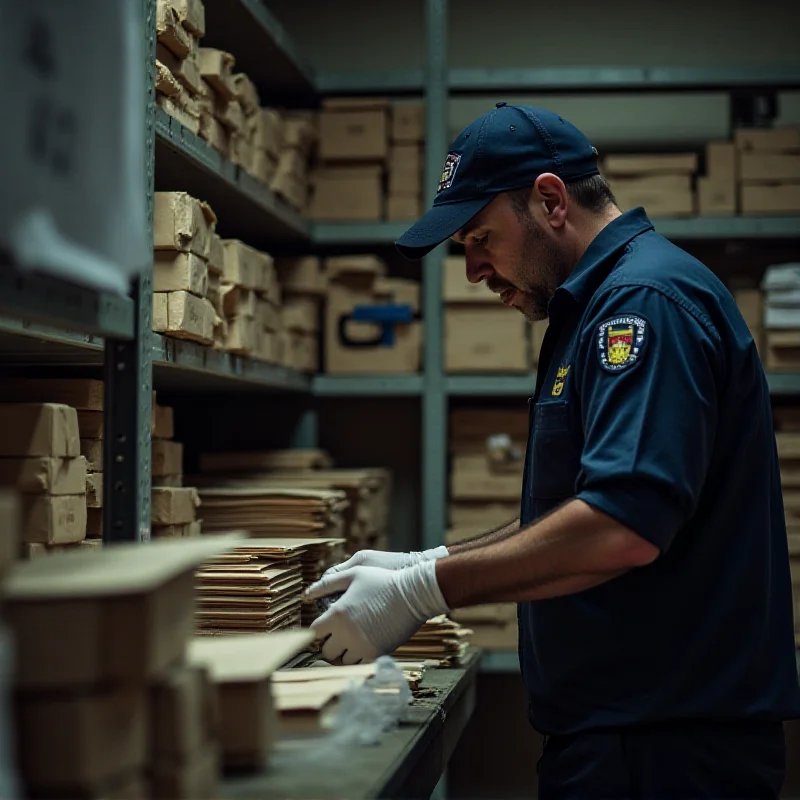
x=621, y=341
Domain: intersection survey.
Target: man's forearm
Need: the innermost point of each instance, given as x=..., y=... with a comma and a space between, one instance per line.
x=573, y=549
x=497, y=535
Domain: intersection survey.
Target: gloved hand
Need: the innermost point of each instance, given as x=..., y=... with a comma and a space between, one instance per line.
x=378, y=558
x=379, y=610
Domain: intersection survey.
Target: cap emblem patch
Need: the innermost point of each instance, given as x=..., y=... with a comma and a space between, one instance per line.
x=449, y=171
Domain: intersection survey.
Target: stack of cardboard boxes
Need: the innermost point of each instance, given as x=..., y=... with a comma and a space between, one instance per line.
x=487, y=450
x=290, y=180
x=716, y=190
x=481, y=335
x=40, y=458
x=661, y=183
x=222, y=121
x=173, y=506
x=106, y=703
x=348, y=182
x=304, y=286
x=180, y=24
x=404, y=200
x=182, y=240
x=358, y=347
x=781, y=317
x=769, y=170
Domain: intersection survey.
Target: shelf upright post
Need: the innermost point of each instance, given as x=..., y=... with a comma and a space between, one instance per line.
x=434, y=400
x=128, y=369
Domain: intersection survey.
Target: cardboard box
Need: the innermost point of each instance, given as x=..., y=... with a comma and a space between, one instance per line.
x=93, y=484
x=774, y=140
x=186, y=70
x=269, y=315
x=194, y=528
x=759, y=167
x=44, y=475
x=179, y=720
x=117, y=614
x=663, y=164
x=184, y=272
x=243, y=265
x=715, y=197
x=266, y=130
x=353, y=283
x=291, y=187
x=166, y=458
x=479, y=517
x=240, y=336
x=216, y=255
x=183, y=316
x=299, y=133
x=183, y=109
x=212, y=131
x=196, y=777
x=354, y=133
x=192, y=15
x=83, y=394
x=721, y=161
x=303, y=274
x=39, y=429
x=301, y=313
x=348, y=194
x=59, y=519
x=473, y=478
x=230, y=115
x=408, y=122
x=240, y=150
x=182, y=223
x=751, y=306
x=170, y=32
x=457, y=289
x=302, y=351
x=241, y=666
x=166, y=82
x=79, y=742
x=216, y=69
x=246, y=94
x=403, y=207
x=263, y=167
x=163, y=422
x=483, y=339
x=661, y=195
x=777, y=198
x=173, y=506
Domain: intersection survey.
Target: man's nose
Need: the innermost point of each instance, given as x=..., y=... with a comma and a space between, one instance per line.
x=478, y=269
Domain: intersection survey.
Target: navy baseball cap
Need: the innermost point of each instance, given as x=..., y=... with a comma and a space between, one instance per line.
x=507, y=148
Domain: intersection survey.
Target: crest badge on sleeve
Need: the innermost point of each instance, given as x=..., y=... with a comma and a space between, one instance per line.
x=620, y=342
x=449, y=171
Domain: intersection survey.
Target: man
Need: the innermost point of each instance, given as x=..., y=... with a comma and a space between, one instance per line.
x=650, y=560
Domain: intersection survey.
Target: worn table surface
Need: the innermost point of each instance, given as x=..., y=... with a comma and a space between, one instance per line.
x=407, y=762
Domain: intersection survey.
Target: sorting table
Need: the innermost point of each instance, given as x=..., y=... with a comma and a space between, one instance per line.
x=406, y=763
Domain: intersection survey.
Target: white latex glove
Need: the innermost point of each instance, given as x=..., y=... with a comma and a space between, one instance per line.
x=379, y=610
x=378, y=558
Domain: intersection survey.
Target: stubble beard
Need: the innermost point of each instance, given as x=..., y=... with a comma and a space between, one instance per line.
x=540, y=269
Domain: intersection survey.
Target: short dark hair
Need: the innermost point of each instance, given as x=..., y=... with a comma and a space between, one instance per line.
x=592, y=193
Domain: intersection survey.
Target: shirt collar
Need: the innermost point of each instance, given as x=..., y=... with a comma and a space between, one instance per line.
x=594, y=265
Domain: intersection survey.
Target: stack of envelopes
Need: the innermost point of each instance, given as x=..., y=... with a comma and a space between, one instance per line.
x=259, y=585
x=274, y=511
x=252, y=591
x=439, y=639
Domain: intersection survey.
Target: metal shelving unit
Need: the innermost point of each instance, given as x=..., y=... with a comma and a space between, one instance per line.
x=361, y=233
x=367, y=385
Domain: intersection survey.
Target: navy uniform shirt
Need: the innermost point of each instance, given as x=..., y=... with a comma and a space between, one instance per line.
x=652, y=406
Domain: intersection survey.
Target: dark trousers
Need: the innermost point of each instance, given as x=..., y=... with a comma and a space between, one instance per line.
x=673, y=761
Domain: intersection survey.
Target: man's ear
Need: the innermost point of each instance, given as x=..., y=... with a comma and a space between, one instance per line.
x=550, y=193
